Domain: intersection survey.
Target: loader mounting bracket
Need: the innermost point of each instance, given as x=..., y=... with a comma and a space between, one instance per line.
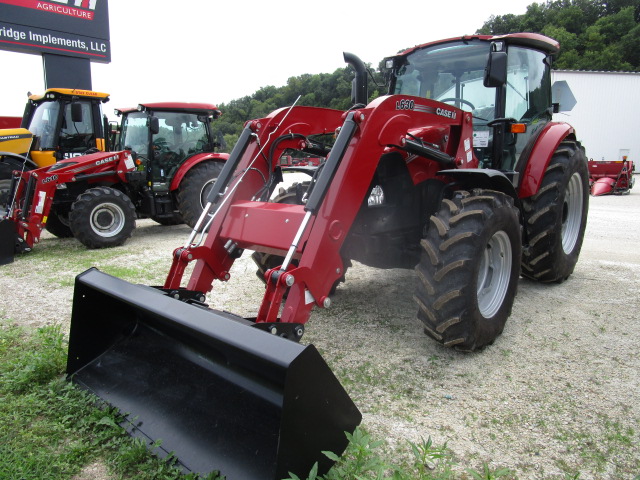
x=290, y=331
x=188, y=296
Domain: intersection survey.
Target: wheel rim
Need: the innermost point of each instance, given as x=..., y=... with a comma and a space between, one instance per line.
x=572, y=213
x=107, y=219
x=494, y=274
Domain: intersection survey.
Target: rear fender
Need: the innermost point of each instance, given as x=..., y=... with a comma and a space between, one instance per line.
x=12, y=161
x=538, y=158
x=191, y=162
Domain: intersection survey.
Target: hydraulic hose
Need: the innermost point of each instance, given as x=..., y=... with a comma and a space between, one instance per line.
x=331, y=165
x=230, y=166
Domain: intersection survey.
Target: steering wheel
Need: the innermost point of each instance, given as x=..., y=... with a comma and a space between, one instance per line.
x=188, y=145
x=456, y=99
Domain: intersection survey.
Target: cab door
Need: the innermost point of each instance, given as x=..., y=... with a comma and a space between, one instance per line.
x=80, y=129
x=527, y=98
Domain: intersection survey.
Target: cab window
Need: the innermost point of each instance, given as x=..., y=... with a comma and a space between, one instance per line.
x=43, y=125
x=528, y=93
x=78, y=136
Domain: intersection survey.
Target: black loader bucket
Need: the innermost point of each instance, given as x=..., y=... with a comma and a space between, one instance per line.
x=217, y=393
x=7, y=241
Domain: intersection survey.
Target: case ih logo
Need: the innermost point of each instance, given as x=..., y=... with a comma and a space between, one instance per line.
x=74, y=8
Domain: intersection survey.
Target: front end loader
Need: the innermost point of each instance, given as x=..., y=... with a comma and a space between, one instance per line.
x=458, y=173
x=100, y=213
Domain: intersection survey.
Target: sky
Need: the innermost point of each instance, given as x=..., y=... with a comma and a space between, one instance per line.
x=212, y=51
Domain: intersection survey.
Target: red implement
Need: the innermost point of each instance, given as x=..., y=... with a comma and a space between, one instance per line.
x=614, y=177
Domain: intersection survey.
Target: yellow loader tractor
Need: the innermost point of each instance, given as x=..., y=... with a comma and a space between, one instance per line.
x=61, y=123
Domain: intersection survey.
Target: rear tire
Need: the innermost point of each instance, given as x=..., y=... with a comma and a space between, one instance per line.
x=469, y=269
x=58, y=224
x=102, y=217
x=194, y=189
x=556, y=217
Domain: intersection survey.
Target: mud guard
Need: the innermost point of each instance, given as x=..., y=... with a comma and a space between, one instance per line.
x=219, y=394
x=486, y=178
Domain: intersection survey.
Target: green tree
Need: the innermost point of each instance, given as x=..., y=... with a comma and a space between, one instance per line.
x=593, y=34
x=329, y=90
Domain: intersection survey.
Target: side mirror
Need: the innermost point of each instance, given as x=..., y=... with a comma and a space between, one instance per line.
x=495, y=72
x=562, y=97
x=76, y=112
x=154, y=125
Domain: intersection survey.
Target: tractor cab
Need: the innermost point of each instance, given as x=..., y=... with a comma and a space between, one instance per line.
x=165, y=135
x=504, y=81
x=64, y=123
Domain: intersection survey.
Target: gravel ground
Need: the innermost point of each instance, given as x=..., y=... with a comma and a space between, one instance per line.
x=555, y=395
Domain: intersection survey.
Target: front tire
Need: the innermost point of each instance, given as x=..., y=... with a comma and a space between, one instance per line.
x=556, y=217
x=469, y=269
x=194, y=189
x=102, y=217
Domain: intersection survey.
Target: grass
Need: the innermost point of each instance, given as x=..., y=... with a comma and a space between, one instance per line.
x=427, y=462
x=51, y=430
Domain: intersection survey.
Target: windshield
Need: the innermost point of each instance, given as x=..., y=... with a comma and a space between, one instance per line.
x=451, y=73
x=183, y=134
x=180, y=136
x=134, y=133
x=43, y=125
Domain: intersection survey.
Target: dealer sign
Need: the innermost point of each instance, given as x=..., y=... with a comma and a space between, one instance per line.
x=76, y=28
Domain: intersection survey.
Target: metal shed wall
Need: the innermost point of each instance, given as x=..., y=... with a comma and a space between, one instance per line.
x=606, y=114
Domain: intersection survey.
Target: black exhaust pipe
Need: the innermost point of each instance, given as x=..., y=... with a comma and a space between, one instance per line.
x=359, y=94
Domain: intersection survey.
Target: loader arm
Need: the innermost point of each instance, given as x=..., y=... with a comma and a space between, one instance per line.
x=314, y=233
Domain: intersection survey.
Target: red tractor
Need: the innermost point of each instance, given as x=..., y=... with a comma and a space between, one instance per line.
x=459, y=172
x=164, y=164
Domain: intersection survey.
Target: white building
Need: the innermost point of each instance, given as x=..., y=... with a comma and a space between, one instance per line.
x=606, y=114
